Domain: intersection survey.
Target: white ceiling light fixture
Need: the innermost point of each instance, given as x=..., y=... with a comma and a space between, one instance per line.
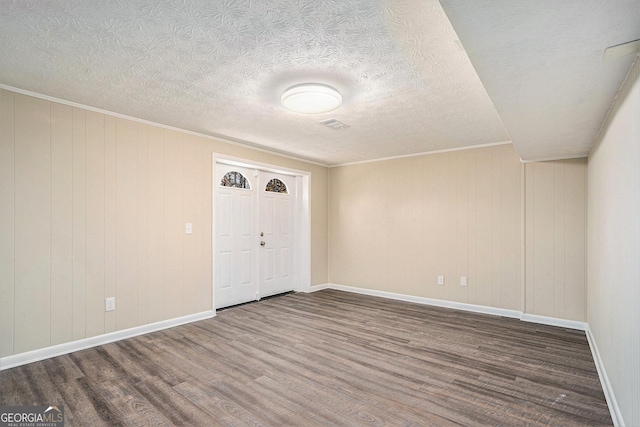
x=311, y=98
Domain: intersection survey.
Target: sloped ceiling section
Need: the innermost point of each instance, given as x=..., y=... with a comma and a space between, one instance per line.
x=219, y=67
x=541, y=63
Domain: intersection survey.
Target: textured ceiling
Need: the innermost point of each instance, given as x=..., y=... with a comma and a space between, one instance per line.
x=542, y=65
x=219, y=68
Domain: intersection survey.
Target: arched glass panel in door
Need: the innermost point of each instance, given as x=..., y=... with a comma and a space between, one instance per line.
x=235, y=180
x=276, y=186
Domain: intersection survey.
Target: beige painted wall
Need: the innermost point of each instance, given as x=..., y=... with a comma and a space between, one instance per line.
x=556, y=220
x=396, y=225
x=93, y=206
x=614, y=247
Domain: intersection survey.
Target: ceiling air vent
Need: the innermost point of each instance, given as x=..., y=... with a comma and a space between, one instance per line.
x=334, y=124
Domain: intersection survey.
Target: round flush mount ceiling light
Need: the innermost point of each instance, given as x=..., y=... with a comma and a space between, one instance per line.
x=311, y=98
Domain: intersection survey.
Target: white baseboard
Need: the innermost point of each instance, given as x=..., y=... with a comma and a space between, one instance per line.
x=554, y=321
x=60, y=349
x=316, y=288
x=429, y=301
x=616, y=415
x=516, y=314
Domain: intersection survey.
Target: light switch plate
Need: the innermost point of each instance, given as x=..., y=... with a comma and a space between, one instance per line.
x=463, y=281
x=188, y=229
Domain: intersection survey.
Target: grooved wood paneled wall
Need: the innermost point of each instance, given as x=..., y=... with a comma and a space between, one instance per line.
x=614, y=247
x=93, y=206
x=397, y=225
x=556, y=221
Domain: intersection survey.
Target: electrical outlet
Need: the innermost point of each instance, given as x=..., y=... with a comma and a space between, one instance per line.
x=110, y=304
x=463, y=281
x=441, y=280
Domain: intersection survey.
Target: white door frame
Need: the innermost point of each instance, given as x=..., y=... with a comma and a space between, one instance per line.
x=301, y=259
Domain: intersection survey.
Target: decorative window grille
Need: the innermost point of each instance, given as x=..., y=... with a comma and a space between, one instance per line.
x=276, y=186
x=235, y=180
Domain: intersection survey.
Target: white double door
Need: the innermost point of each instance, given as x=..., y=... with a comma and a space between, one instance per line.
x=253, y=250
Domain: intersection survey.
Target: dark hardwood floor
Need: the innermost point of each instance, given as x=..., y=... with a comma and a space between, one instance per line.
x=327, y=358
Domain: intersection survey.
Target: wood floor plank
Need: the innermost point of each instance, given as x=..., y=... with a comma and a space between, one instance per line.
x=95, y=367
x=152, y=360
x=34, y=386
x=78, y=405
x=102, y=406
x=326, y=358
x=128, y=405
x=62, y=369
x=9, y=391
x=171, y=404
x=220, y=409
x=126, y=365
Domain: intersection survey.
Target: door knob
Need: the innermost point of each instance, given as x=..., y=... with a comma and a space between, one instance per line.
x=262, y=243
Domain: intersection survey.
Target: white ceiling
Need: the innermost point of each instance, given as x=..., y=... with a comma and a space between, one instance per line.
x=542, y=64
x=218, y=67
